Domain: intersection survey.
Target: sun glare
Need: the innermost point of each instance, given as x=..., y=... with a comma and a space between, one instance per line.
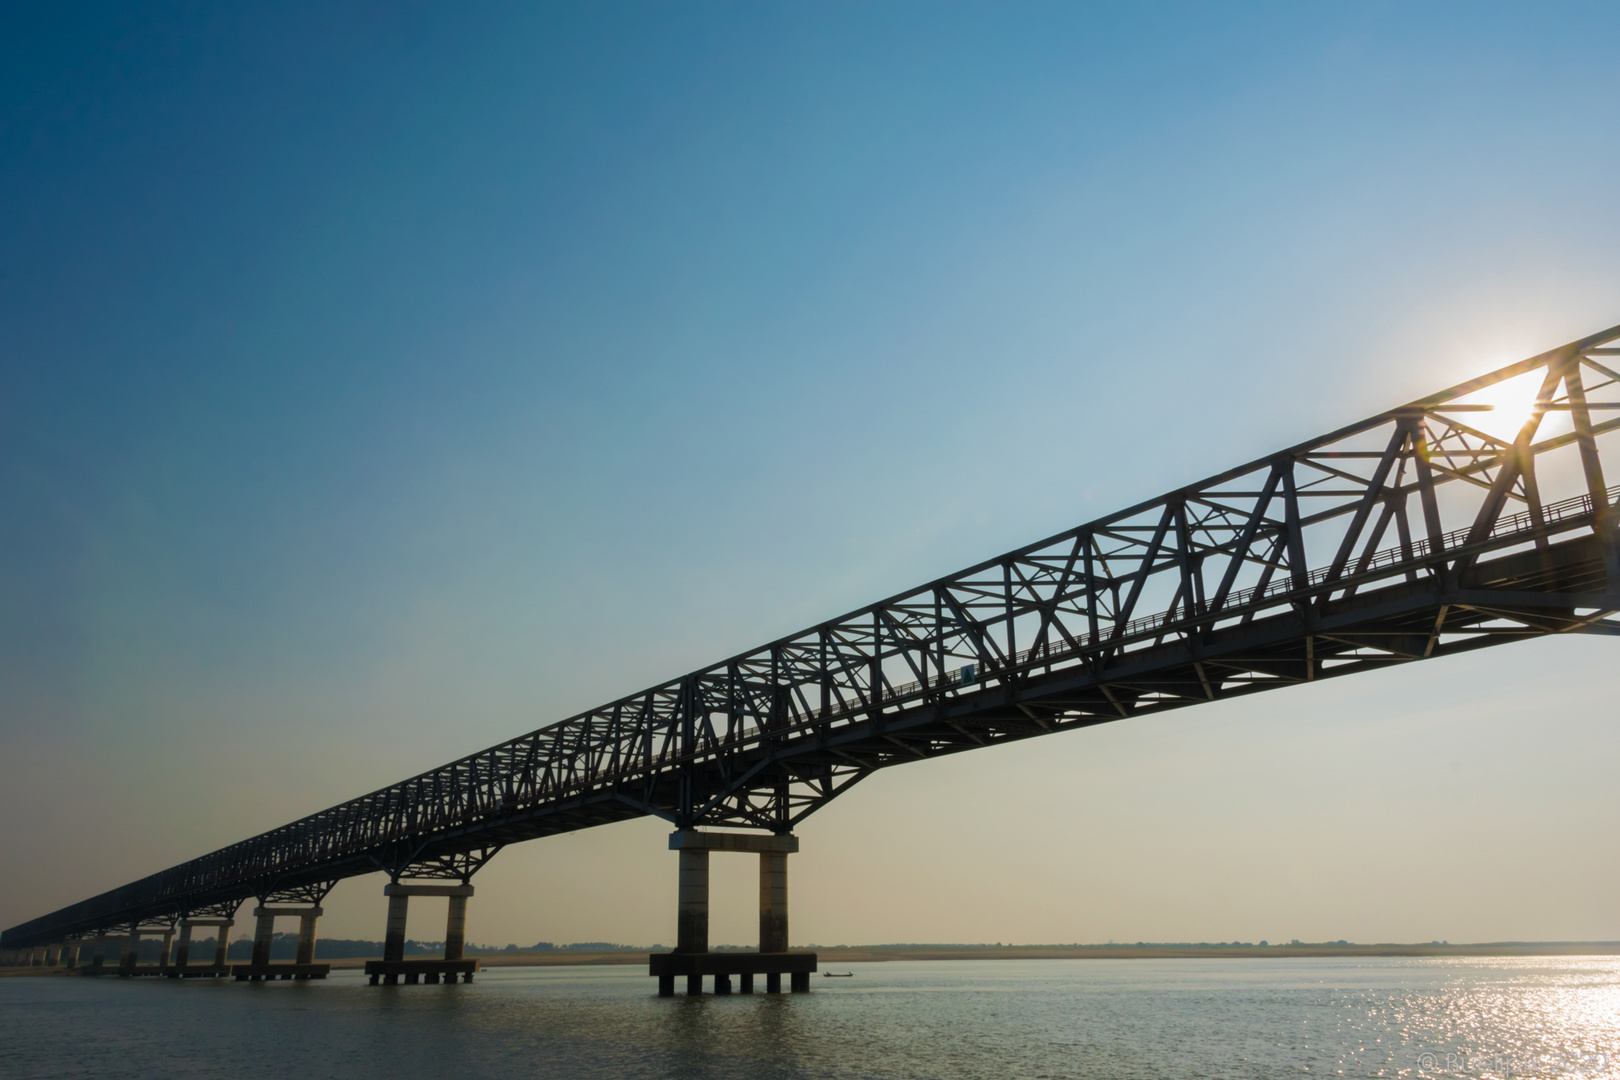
x=1510, y=400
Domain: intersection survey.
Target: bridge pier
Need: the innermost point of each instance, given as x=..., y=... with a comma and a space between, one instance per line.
x=303, y=967
x=181, y=968
x=393, y=965
x=692, y=957
x=130, y=955
x=70, y=953
x=692, y=902
x=263, y=936
x=306, y=935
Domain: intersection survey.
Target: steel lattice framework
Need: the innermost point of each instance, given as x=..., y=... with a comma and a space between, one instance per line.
x=1409, y=535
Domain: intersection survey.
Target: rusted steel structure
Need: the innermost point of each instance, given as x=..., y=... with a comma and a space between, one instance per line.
x=1409, y=535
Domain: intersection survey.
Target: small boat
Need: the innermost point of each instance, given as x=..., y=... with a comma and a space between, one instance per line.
x=837, y=974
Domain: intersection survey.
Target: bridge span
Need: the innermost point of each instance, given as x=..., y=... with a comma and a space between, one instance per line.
x=1420, y=532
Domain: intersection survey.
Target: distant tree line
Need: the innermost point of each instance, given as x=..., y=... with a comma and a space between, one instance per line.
x=284, y=946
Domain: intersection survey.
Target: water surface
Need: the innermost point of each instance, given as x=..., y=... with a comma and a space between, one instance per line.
x=930, y=1020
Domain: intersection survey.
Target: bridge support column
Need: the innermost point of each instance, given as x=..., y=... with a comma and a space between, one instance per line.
x=393, y=964
x=98, y=955
x=303, y=967
x=163, y=950
x=222, y=942
x=53, y=955
x=70, y=953
x=398, y=909
x=306, y=935
x=692, y=902
x=455, y=927
x=773, y=902
x=692, y=911
x=222, y=945
x=692, y=958
x=263, y=934
x=183, y=952
x=131, y=955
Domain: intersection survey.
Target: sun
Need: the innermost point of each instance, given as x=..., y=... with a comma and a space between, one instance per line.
x=1511, y=402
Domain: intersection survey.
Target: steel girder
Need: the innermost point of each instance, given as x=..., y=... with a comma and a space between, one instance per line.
x=1412, y=534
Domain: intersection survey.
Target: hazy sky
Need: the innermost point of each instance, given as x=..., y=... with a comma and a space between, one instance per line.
x=379, y=382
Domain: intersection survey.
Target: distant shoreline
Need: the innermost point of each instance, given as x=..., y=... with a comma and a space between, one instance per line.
x=866, y=954
x=871, y=954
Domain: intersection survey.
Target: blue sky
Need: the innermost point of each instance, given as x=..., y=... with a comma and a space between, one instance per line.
x=378, y=382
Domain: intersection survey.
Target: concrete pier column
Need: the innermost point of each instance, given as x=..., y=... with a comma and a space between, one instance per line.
x=98, y=956
x=306, y=935
x=222, y=945
x=183, y=952
x=163, y=950
x=455, y=927
x=262, y=935
x=394, y=943
x=132, y=951
x=53, y=955
x=70, y=953
x=773, y=902
x=692, y=913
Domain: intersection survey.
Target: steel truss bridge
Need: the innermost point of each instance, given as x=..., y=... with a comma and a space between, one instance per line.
x=1420, y=532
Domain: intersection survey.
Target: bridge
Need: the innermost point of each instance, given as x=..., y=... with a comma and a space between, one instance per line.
x=1417, y=533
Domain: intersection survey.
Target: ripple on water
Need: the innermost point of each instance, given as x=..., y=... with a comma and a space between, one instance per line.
x=1042, y=1019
